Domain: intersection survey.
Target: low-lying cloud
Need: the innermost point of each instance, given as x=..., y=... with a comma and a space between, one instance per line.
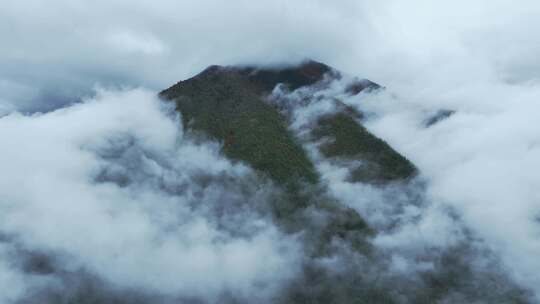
x=481, y=163
x=113, y=188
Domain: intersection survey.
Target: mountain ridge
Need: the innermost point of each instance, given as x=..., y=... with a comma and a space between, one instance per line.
x=224, y=102
x=290, y=124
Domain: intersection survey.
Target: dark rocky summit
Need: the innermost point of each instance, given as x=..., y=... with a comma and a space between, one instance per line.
x=438, y=116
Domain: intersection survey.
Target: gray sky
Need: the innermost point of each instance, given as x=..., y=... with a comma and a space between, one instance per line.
x=57, y=51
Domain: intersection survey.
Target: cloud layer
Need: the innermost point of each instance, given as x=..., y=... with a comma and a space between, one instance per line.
x=111, y=187
x=60, y=50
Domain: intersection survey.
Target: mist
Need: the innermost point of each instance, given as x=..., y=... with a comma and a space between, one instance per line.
x=113, y=188
x=89, y=151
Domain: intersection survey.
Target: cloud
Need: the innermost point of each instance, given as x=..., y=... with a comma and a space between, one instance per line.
x=481, y=163
x=474, y=200
x=112, y=187
x=129, y=42
x=62, y=49
x=66, y=47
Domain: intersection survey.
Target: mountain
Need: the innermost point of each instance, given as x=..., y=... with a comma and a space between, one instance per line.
x=230, y=105
x=316, y=209
x=290, y=124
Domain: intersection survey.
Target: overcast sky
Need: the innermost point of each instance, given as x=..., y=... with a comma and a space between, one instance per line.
x=56, y=51
x=478, y=58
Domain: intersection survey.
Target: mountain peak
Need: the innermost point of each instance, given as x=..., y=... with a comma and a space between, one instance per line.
x=231, y=104
x=295, y=76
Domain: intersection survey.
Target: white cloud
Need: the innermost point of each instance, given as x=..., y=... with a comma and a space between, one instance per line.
x=481, y=161
x=69, y=46
x=128, y=42
x=64, y=191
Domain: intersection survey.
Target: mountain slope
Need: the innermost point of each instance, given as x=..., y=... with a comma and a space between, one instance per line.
x=229, y=104
x=290, y=124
